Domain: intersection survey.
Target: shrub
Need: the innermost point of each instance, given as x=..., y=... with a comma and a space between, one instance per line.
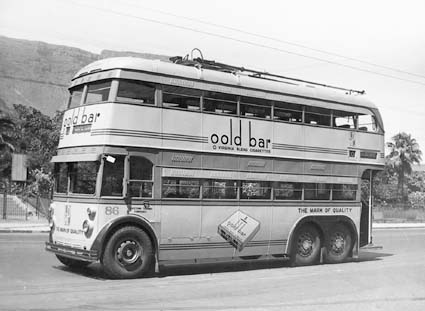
x=417, y=199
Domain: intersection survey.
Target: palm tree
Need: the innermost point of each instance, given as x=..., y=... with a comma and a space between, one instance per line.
x=404, y=152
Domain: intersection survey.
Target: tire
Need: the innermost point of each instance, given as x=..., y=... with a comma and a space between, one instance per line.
x=306, y=246
x=128, y=254
x=339, y=244
x=72, y=263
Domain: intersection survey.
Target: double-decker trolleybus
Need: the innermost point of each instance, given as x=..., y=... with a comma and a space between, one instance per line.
x=194, y=161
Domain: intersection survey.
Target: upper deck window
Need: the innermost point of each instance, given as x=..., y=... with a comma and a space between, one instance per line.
x=181, y=97
x=255, y=107
x=288, y=112
x=343, y=119
x=98, y=92
x=220, y=103
x=76, y=95
x=136, y=92
x=317, y=116
x=367, y=123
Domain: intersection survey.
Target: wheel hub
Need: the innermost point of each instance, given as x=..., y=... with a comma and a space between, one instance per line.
x=128, y=252
x=305, y=245
x=338, y=243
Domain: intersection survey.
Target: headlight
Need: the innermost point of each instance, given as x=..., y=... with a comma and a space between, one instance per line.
x=87, y=228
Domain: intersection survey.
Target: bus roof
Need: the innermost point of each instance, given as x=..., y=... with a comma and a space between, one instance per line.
x=238, y=79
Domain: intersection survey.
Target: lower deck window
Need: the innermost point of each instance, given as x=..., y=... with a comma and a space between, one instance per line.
x=219, y=189
x=288, y=191
x=215, y=189
x=140, y=183
x=317, y=191
x=255, y=190
x=344, y=192
x=140, y=189
x=181, y=188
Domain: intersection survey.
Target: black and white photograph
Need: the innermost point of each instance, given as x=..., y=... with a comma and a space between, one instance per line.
x=212, y=155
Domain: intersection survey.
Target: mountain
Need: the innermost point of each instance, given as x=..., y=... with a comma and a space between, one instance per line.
x=37, y=74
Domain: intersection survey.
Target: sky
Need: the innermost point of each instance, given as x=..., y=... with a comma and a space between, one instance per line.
x=376, y=46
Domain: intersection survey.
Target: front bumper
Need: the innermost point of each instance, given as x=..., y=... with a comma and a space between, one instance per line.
x=72, y=252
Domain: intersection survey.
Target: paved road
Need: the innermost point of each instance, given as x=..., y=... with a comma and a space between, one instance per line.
x=389, y=279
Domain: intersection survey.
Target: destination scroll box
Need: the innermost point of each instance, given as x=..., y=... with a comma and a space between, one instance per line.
x=239, y=229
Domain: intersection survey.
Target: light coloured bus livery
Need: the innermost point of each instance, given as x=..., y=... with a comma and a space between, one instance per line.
x=189, y=162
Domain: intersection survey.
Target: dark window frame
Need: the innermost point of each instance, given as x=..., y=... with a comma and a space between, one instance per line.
x=146, y=184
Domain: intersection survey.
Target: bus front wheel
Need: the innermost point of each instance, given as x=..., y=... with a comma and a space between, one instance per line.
x=339, y=244
x=128, y=254
x=72, y=263
x=306, y=246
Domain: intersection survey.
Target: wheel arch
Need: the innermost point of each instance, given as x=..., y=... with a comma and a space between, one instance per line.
x=323, y=224
x=120, y=222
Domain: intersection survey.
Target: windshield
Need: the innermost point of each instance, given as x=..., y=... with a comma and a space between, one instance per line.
x=81, y=177
x=76, y=177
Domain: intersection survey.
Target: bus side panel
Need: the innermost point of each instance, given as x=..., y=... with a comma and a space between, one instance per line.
x=180, y=230
x=214, y=246
x=283, y=218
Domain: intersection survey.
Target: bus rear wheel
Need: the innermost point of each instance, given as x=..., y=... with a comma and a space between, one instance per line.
x=339, y=244
x=306, y=246
x=128, y=254
x=72, y=263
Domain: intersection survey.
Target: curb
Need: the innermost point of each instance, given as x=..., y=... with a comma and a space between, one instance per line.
x=398, y=226
x=22, y=231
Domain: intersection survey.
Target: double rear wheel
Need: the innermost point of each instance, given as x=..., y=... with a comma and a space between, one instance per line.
x=307, y=244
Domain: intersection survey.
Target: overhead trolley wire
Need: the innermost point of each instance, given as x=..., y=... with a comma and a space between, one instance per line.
x=281, y=41
x=151, y=20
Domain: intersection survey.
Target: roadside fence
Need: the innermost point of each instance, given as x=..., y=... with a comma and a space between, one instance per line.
x=22, y=206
